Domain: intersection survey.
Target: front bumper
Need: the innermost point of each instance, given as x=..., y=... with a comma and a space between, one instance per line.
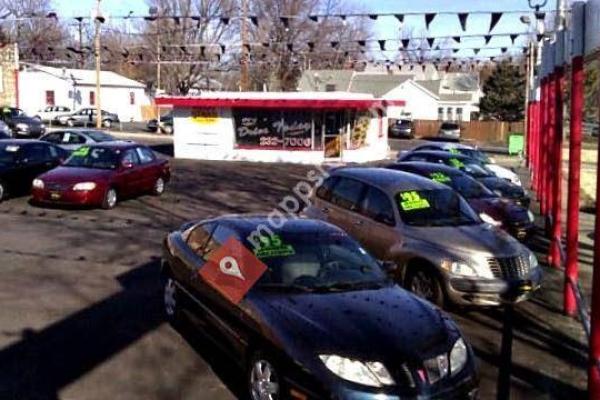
x=492, y=292
x=67, y=197
x=30, y=132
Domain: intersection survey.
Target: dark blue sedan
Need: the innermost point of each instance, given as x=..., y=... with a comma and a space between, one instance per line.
x=309, y=314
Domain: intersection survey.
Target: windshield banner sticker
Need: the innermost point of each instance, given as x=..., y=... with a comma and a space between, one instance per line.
x=81, y=152
x=440, y=177
x=411, y=201
x=272, y=246
x=232, y=270
x=456, y=163
x=454, y=150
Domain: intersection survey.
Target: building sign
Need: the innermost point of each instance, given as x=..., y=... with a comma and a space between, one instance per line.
x=267, y=129
x=208, y=116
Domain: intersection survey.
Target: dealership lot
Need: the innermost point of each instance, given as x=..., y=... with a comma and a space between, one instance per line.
x=82, y=304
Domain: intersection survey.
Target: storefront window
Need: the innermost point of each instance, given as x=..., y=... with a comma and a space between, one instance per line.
x=270, y=129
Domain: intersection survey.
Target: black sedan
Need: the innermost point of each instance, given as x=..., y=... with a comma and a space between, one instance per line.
x=515, y=219
x=401, y=128
x=308, y=313
x=21, y=124
x=166, y=124
x=474, y=168
x=21, y=161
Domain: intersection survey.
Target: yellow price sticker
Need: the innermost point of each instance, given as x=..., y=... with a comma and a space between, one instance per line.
x=439, y=177
x=411, y=201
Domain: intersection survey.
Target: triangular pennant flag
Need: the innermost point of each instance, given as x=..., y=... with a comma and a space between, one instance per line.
x=285, y=21
x=381, y=44
x=177, y=20
x=462, y=17
x=423, y=67
x=246, y=47
x=290, y=47
x=225, y=20
x=266, y=44
x=342, y=17
x=487, y=39
x=405, y=43
x=455, y=50
x=335, y=44
x=373, y=16
x=183, y=49
x=362, y=43
x=202, y=49
x=456, y=39
x=476, y=51
x=223, y=48
x=513, y=37
x=504, y=49
x=400, y=18
x=540, y=37
x=428, y=19
x=313, y=18
x=254, y=20
x=311, y=46
x=430, y=41
x=437, y=48
x=495, y=18
x=540, y=15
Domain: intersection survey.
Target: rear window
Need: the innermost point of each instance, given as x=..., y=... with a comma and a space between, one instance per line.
x=448, y=125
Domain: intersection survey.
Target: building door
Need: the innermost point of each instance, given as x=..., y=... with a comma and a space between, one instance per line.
x=333, y=129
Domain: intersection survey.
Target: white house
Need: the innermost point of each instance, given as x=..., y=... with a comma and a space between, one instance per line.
x=41, y=86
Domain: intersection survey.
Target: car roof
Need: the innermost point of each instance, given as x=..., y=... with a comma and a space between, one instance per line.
x=245, y=224
x=21, y=142
x=440, y=154
x=427, y=168
x=387, y=179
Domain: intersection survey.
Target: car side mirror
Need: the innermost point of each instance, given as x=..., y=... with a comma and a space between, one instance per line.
x=126, y=164
x=389, y=267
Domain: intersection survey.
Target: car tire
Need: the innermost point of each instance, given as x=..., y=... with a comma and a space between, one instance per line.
x=107, y=123
x=3, y=193
x=70, y=123
x=425, y=283
x=264, y=382
x=159, y=186
x=110, y=199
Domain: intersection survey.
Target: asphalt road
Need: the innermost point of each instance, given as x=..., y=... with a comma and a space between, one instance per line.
x=81, y=306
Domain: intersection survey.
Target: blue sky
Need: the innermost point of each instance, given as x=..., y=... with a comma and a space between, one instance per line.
x=383, y=28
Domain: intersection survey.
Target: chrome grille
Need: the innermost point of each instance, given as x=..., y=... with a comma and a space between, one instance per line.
x=509, y=267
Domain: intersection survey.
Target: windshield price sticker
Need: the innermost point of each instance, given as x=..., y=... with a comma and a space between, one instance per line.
x=454, y=150
x=456, y=163
x=439, y=177
x=272, y=246
x=81, y=152
x=12, y=149
x=232, y=270
x=411, y=201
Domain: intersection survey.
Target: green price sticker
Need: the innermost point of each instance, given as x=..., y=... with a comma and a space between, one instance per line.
x=456, y=163
x=412, y=201
x=81, y=152
x=273, y=246
x=454, y=150
x=439, y=177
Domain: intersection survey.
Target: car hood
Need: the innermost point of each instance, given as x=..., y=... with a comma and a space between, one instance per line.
x=26, y=120
x=505, y=187
x=480, y=239
x=502, y=172
x=71, y=175
x=500, y=208
x=384, y=324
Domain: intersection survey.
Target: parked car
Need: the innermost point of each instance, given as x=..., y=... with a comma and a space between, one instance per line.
x=515, y=219
x=401, y=128
x=51, y=113
x=470, y=151
x=100, y=174
x=5, y=132
x=22, y=160
x=474, y=168
x=87, y=117
x=166, y=124
x=444, y=251
x=449, y=130
x=20, y=124
x=309, y=314
x=72, y=139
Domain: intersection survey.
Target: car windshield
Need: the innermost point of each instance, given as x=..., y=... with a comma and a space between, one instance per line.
x=317, y=262
x=437, y=207
x=475, y=154
x=98, y=136
x=468, y=187
x=472, y=167
x=8, y=153
x=93, y=157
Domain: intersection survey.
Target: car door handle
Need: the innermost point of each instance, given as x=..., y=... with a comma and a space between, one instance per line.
x=325, y=210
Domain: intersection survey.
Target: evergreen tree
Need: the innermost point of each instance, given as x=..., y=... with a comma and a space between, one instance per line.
x=504, y=94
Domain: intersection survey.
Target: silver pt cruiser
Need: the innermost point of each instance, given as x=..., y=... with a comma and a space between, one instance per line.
x=442, y=249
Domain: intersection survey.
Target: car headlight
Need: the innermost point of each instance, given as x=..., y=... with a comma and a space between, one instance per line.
x=533, y=261
x=458, y=357
x=489, y=219
x=365, y=373
x=21, y=126
x=38, y=183
x=530, y=216
x=464, y=269
x=84, y=186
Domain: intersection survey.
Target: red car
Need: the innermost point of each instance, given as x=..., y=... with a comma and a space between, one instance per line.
x=99, y=175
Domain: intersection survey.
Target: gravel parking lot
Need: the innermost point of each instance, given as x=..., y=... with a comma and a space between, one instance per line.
x=82, y=307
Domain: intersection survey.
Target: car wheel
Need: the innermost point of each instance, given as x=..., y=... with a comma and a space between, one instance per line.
x=70, y=123
x=2, y=191
x=263, y=379
x=110, y=199
x=107, y=123
x=170, y=297
x=425, y=284
x=159, y=187
x=168, y=129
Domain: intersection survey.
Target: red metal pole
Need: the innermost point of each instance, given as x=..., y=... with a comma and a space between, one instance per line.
x=554, y=255
x=551, y=148
x=571, y=268
x=529, y=133
x=542, y=149
x=534, y=145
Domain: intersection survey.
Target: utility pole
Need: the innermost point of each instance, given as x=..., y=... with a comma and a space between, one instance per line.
x=244, y=80
x=98, y=22
x=155, y=11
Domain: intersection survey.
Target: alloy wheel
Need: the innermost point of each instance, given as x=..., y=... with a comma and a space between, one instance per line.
x=111, y=198
x=423, y=285
x=169, y=298
x=2, y=191
x=159, y=186
x=264, y=384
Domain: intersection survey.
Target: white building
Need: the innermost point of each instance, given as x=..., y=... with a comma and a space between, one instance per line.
x=41, y=86
x=305, y=127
